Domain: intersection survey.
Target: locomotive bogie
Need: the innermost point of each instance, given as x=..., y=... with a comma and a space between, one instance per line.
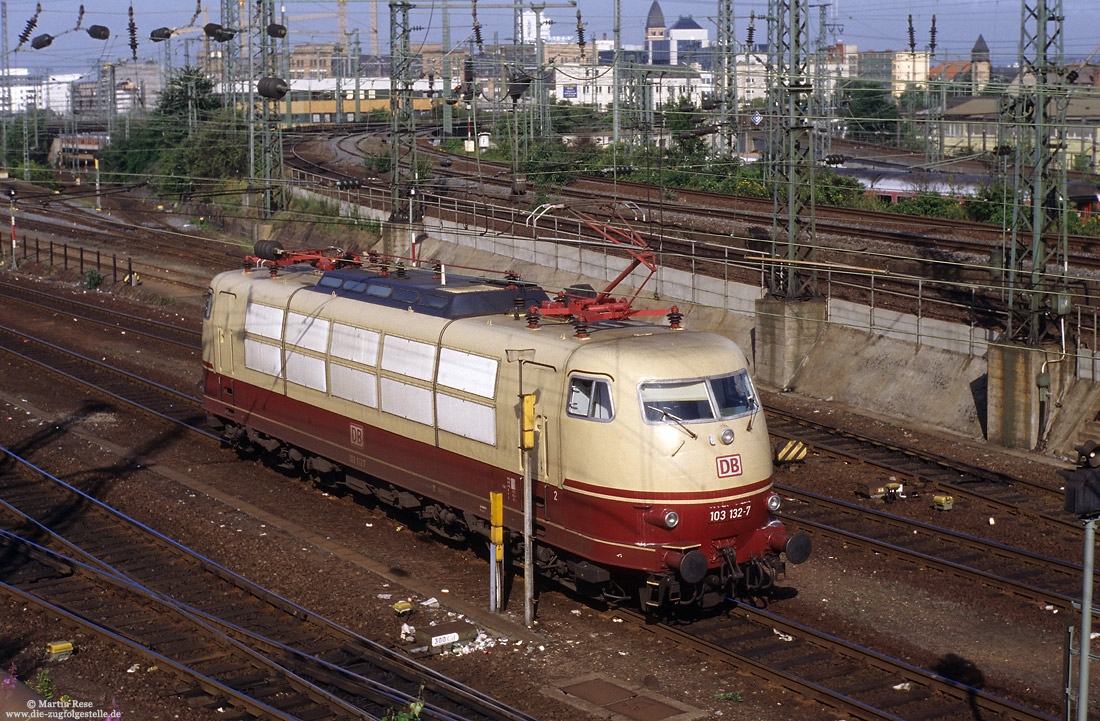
x=650, y=457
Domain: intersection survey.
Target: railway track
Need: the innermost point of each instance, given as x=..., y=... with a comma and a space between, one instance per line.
x=82, y=259
x=175, y=406
x=57, y=218
x=929, y=473
x=149, y=246
x=688, y=207
x=855, y=681
x=722, y=251
x=1037, y=578
x=165, y=332
x=229, y=639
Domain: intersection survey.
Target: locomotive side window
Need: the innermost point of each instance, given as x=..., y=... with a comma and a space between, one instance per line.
x=358, y=345
x=590, y=398
x=265, y=357
x=264, y=320
x=467, y=372
x=676, y=401
x=355, y=344
x=307, y=331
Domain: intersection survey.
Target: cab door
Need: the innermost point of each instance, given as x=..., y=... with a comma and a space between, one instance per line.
x=225, y=304
x=542, y=381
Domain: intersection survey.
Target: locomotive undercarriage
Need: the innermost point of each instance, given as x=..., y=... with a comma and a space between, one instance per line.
x=752, y=578
x=654, y=593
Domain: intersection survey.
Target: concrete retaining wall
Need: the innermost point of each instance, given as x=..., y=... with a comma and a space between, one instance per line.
x=898, y=365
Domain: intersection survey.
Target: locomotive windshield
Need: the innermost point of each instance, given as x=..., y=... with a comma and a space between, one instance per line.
x=705, y=399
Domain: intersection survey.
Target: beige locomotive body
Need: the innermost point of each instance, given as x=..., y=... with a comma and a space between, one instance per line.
x=417, y=404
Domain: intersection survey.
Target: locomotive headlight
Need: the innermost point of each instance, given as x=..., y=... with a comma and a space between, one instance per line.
x=774, y=502
x=727, y=436
x=661, y=518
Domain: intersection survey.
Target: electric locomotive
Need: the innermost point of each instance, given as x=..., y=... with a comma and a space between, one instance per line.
x=650, y=461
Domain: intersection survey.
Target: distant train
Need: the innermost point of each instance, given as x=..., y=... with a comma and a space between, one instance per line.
x=650, y=458
x=890, y=186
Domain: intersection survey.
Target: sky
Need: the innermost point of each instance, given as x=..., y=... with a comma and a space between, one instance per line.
x=869, y=24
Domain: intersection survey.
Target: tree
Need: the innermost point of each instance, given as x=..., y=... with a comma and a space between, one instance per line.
x=187, y=141
x=188, y=92
x=870, y=108
x=679, y=119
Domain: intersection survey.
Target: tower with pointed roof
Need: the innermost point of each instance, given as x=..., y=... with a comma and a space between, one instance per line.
x=980, y=67
x=655, y=23
x=656, y=40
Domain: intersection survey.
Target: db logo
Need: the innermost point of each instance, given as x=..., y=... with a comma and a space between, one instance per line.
x=356, y=433
x=729, y=466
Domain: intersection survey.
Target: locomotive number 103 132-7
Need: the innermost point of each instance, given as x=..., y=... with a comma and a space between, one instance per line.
x=718, y=514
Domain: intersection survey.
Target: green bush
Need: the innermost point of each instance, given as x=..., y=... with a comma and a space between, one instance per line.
x=378, y=162
x=930, y=205
x=92, y=279
x=43, y=685
x=410, y=713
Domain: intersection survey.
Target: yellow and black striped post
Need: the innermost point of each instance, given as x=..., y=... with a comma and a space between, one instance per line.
x=791, y=451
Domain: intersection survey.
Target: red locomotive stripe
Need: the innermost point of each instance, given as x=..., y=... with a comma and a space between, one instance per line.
x=600, y=524
x=665, y=496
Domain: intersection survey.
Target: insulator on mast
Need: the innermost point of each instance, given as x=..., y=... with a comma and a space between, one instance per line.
x=580, y=32
x=133, y=34
x=31, y=25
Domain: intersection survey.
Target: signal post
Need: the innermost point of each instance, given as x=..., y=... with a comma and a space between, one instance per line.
x=1082, y=498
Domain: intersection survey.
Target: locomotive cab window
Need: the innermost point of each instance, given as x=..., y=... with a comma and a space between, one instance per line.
x=727, y=396
x=589, y=398
x=676, y=401
x=734, y=394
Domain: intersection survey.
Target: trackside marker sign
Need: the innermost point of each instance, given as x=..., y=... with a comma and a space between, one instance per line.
x=729, y=466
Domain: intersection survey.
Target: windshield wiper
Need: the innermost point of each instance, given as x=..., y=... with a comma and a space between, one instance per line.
x=678, y=421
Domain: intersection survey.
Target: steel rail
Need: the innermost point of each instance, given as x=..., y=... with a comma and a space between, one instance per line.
x=934, y=472
x=961, y=696
x=147, y=327
x=146, y=601
x=188, y=417
x=356, y=647
x=1059, y=600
